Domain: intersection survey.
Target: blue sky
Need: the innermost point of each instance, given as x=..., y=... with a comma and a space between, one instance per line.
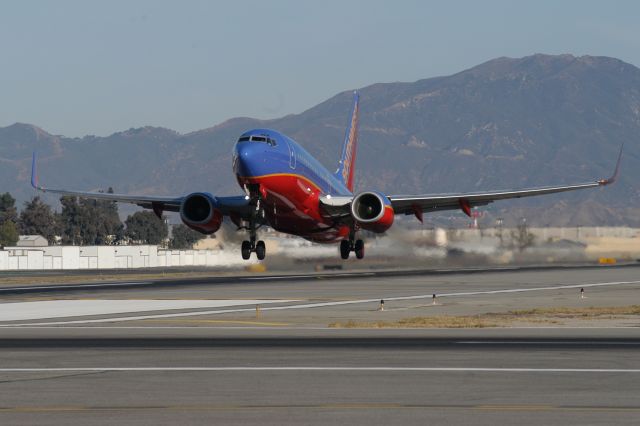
x=96, y=67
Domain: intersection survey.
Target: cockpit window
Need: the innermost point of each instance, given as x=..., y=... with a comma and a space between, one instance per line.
x=268, y=140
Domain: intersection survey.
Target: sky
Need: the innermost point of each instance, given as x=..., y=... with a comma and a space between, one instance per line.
x=85, y=67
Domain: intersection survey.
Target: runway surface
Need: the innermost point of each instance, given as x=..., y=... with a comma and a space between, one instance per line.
x=220, y=362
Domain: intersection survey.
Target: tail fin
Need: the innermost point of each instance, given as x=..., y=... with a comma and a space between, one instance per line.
x=348, y=159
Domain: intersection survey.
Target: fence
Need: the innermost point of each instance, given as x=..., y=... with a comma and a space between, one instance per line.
x=111, y=257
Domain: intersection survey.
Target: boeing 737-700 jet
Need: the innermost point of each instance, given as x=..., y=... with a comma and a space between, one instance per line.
x=289, y=190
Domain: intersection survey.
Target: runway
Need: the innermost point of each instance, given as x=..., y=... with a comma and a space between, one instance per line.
x=285, y=366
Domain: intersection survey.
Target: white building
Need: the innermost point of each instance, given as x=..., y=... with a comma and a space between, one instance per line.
x=32, y=241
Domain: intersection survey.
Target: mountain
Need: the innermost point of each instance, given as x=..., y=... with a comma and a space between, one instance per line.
x=506, y=123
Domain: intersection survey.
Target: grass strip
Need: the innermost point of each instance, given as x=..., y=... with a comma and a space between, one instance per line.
x=536, y=315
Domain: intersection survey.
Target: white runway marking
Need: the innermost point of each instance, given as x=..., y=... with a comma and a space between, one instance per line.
x=21, y=311
x=285, y=277
x=549, y=342
x=75, y=286
x=330, y=368
x=327, y=304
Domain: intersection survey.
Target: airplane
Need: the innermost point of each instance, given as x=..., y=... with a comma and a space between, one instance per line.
x=287, y=189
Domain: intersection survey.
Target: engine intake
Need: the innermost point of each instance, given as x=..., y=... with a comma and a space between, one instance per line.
x=199, y=211
x=373, y=211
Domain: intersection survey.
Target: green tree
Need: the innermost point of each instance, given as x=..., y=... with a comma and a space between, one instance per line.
x=8, y=209
x=102, y=221
x=37, y=218
x=184, y=237
x=8, y=218
x=8, y=234
x=70, y=221
x=145, y=228
x=521, y=237
x=112, y=225
x=90, y=222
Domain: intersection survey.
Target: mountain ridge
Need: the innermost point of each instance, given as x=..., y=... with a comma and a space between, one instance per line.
x=505, y=123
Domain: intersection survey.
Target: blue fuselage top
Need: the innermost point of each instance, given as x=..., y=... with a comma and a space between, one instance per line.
x=265, y=152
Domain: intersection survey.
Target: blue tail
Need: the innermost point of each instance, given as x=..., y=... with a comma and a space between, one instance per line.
x=346, y=166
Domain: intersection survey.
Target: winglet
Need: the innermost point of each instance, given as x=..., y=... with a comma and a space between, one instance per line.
x=616, y=172
x=34, y=172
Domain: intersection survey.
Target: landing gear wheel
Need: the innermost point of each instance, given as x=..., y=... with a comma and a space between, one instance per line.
x=246, y=249
x=261, y=250
x=359, y=249
x=345, y=249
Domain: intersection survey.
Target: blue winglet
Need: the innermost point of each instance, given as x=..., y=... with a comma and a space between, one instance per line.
x=616, y=172
x=34, y=172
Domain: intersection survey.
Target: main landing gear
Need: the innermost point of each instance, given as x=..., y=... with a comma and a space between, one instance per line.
x=347, y=246
x=249, y=247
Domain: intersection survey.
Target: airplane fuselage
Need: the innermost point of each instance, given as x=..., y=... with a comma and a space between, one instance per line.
x=290, y=182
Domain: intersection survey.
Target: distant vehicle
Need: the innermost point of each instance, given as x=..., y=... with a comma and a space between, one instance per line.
x=288, y=189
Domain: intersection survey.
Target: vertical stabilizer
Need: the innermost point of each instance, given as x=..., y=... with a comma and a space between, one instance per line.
x=346, y=166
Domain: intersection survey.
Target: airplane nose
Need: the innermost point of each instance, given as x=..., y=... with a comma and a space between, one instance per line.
x=246, y=155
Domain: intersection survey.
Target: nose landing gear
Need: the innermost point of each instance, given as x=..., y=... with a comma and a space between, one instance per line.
x=252, y=245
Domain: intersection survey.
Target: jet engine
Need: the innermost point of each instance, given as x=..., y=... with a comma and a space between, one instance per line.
x=372, y=211
x=199, y=212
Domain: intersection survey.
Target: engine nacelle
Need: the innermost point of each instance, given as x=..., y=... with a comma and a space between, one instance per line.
x=199, y=211
x=373, y=211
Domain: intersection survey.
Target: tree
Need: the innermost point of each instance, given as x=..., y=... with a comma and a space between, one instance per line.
x=8, y=218
x=113, y=226
x=90, y=222
x=146, y=228
x=70, y=221
x=184, y=237
x=522, y=237
x=106, y=220
x=8, y=234
x=8, y=209
x=37, y=218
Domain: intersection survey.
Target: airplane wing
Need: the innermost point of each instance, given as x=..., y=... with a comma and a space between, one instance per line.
x=418, y=204
x=233, y=205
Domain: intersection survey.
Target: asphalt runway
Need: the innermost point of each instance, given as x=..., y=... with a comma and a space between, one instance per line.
x=220, y=363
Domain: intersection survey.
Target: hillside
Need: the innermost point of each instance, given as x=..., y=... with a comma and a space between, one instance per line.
x=503, y=124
